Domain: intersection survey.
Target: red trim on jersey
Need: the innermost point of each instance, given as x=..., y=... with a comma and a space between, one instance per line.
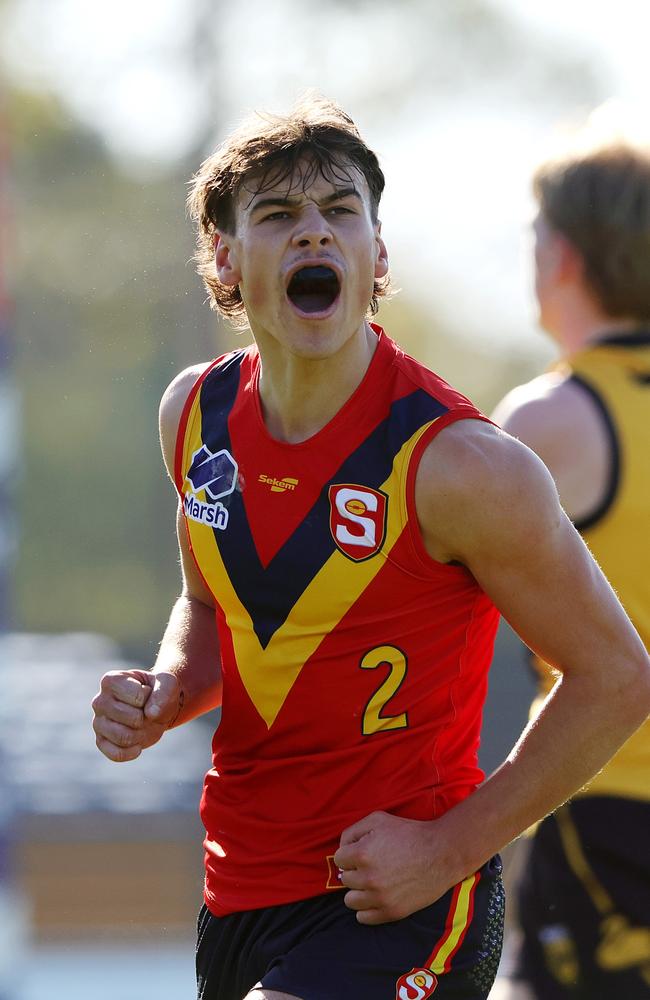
x=449, y=925
x=470, y=915
x=467, y=412
x=182, y=423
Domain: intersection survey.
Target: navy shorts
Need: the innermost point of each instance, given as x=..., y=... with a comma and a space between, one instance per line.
x=584, y=903
x=316, y=949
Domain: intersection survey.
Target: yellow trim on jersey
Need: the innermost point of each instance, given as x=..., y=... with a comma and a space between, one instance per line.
x=619, y=539
x=460, y=921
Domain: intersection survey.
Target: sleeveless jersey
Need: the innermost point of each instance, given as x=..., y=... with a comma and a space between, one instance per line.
x=616, y=374
x=354, y=666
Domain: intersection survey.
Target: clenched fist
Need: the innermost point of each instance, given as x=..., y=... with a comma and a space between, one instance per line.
x=133, y=708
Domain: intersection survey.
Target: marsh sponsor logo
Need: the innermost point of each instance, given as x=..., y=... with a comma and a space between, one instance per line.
x=213, y=514
x=213, y=474
x=287, y=483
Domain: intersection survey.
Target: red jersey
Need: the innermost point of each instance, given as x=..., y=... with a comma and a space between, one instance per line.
x=354, y=665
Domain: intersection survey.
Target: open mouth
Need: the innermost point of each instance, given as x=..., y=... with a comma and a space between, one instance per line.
x=313, y=289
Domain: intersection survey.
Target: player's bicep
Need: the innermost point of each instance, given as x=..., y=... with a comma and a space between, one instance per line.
x=529, y=559
x=193, y=583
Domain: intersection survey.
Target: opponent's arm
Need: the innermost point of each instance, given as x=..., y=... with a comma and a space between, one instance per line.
x=133, y=708
x=487, y=501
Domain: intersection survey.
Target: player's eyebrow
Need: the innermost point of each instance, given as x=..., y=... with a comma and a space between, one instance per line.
x=339, y=193
x=278, y=201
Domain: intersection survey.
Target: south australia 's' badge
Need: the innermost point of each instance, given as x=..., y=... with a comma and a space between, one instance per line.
x=418, y=984
x=357, y=519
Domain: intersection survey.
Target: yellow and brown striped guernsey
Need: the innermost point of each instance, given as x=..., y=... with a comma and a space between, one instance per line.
x=354, y=666
x=615, y=373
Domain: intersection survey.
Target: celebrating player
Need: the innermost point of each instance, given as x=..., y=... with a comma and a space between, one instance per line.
x=348, y=527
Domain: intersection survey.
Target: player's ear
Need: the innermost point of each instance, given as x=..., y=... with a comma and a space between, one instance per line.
x=225, y=259
x=569, y=262
x=555, y=254
x=381, y=259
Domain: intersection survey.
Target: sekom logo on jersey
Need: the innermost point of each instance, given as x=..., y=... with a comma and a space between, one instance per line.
x=418, y=984
x=279, y=485
x=357, y=520
x=215, y=475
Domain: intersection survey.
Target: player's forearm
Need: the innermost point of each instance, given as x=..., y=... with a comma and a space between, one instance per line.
x=190, y=650
x=577, y=731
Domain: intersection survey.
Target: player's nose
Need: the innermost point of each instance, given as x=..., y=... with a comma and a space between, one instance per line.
x=312, y=229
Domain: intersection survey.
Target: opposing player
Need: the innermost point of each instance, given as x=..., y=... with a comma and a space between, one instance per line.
x=348, y=526
x=584, y=898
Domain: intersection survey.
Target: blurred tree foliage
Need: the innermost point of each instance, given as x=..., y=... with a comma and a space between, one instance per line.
x=108, y=310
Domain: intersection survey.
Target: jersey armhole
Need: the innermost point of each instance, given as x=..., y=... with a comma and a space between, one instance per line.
x=613, y=479
x=182, y=425
x=452, y=416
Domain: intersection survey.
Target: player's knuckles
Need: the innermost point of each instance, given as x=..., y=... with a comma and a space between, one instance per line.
x=100, y=703
x=342, y=860
x=360, y=856
x=124, y=687
x=116, y=753
x=372, y=882
x=129, y=716
x=119, y=735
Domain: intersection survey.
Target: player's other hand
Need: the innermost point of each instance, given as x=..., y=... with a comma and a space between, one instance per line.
x=132, y=709
x=392, y=867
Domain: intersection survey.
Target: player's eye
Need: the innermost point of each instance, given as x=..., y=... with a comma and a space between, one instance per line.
x=274, y=216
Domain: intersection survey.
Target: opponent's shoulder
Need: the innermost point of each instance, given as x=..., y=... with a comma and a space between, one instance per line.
x=562, y=421
x=172, y=405
x=550, y=412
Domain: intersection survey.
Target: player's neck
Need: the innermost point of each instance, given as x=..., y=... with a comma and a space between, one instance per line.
x=573, y=339
x=300, y=395
x=580, y=322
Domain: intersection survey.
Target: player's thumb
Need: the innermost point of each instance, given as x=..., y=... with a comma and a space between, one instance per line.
x=163, y=703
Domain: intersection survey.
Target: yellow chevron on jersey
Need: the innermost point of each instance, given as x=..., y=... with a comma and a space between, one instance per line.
x=354, y=666
x=269, y=672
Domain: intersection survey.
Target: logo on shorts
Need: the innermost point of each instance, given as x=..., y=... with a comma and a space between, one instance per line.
x=357, y=520
x=418, y=984
x=214, y=474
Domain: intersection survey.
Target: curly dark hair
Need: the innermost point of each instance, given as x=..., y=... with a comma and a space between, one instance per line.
x=316, y=137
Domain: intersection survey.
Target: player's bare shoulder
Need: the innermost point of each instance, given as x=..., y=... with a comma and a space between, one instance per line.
x=171, y=408
x=472, y=479
x=563, y=423
x=550, y=412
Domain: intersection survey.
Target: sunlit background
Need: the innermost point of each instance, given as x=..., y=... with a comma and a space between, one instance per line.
x=106, y=110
